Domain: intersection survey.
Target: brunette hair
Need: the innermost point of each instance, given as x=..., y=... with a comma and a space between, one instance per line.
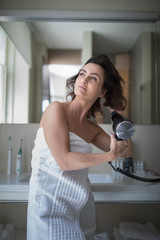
x=113, y=83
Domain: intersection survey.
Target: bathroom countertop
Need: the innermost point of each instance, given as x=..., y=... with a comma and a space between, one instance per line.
x=105, y=187
x=12, y=190
x=119, y=188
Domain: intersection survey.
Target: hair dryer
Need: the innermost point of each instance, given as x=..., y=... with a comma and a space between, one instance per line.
x=122, y=127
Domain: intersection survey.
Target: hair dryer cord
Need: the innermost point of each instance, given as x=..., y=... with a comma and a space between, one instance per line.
x=134, y=176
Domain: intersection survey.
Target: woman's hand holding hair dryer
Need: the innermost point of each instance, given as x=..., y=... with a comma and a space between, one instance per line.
x=121, y=148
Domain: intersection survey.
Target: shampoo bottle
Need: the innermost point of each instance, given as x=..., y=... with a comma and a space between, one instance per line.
x=19, y=161
x=9, y=167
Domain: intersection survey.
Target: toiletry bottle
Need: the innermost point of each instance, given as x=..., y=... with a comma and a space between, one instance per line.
x=138, y=166
x=9, y=167
x=19, y=161
x=128, y=165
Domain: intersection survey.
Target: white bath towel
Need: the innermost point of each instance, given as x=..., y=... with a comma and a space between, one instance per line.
x=134, y=230
x=61, y=205
x=102, y=236
x=117, y=234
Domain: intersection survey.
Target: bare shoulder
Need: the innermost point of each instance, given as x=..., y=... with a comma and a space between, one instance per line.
x=54, y=110
x=55, y=106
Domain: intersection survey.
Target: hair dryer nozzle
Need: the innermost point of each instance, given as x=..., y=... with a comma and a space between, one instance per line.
x=122, y=127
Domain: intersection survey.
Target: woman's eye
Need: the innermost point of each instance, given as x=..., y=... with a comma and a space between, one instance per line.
x=81, y=74
x=94, y=78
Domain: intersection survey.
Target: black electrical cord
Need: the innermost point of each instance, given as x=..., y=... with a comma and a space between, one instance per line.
x=134, y=176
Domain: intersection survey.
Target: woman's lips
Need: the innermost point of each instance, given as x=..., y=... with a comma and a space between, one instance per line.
x=83, y=87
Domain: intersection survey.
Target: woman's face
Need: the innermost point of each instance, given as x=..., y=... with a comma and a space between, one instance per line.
x=89, y=83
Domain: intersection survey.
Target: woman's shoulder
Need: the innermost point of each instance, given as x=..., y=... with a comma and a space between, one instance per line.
x=54, y=109
x=55, y=106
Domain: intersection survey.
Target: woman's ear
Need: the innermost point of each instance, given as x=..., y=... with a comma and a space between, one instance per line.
x=103, y=92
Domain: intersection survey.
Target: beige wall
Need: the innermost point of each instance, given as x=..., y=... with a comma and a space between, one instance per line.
x=145, y=142
x=17, y=131
x=57, y=56
x=142, y=80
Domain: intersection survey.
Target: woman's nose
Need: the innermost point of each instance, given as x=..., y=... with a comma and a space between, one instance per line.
x=84, y=80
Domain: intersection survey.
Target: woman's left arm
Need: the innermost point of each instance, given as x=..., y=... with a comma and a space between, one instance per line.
x=102, y=141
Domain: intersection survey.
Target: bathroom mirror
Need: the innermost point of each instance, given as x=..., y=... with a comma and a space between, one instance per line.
x=35, y=48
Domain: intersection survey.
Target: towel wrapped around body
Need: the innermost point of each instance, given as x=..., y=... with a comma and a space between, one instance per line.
x=60, y=203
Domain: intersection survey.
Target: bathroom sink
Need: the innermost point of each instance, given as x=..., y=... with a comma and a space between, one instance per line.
x=100, y=178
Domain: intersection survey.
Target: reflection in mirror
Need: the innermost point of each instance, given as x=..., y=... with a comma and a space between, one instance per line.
x=37, y=58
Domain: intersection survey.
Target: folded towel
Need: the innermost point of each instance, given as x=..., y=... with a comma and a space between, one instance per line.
x=133, y=230
x=102, y=236
x=117, y=234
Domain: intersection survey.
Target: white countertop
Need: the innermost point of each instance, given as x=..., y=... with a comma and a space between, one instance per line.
x=12, y=190
x=107, y=188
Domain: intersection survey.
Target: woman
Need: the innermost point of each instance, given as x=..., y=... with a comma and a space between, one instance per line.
x=61, y=205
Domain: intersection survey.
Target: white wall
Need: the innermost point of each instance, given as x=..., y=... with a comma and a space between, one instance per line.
x=21, y=91
x=20, y=35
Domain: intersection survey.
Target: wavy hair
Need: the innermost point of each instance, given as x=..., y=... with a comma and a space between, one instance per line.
x=113, y=83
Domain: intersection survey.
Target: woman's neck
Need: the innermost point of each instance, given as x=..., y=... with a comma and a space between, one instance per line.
x=79, y=110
